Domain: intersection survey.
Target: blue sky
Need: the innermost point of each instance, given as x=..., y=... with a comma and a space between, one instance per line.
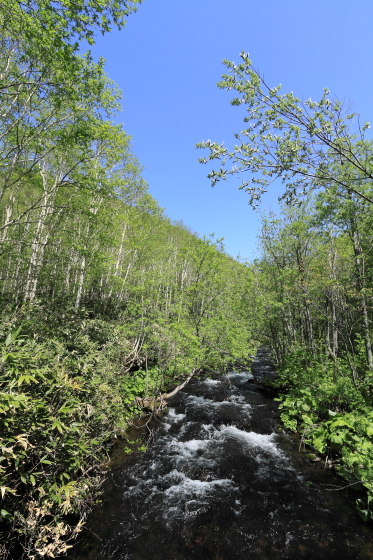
x=167, y=62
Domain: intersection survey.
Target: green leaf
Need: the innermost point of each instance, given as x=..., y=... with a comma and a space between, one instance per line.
x=369, y=430
x=12, y=336
x=5, y=514
x=337, y=437
x=364, y=512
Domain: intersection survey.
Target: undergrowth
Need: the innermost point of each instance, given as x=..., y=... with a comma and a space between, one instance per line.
x=334, y=417
x=64, y=397
x=59, y=409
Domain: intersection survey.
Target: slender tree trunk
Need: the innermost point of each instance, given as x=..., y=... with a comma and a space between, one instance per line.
x=81, y=282
x=360, y=281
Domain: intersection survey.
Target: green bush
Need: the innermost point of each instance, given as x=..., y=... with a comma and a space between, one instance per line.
x=336, y=418
x=58, y=410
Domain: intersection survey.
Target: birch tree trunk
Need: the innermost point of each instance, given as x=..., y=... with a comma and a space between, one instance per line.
x=360, y=283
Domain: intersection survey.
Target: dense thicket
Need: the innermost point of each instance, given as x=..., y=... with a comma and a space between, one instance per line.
x=104, y=299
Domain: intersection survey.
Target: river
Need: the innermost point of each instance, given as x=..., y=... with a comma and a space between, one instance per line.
x=219, y=482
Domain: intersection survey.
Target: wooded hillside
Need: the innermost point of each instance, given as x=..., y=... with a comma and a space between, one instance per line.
x=103, y=298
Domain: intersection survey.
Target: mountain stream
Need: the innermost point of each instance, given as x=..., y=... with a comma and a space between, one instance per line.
x=222, y=481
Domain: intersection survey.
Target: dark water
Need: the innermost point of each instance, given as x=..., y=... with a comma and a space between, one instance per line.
x=219, y=483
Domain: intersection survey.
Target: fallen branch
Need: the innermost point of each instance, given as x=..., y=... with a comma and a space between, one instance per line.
x=179, y=387
x=153, y=405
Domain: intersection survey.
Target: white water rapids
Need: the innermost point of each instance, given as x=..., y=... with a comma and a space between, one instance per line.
x=219, y=483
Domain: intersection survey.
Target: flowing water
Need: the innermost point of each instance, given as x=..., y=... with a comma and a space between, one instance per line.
x=220, y=483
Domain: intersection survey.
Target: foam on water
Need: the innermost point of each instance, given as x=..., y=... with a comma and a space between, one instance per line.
x=174, y=417
x=194, y=400
x=235, y=404
x=209, y=430
x=241, y=376
x=239, y=399
x=189, y=448
x=207, y=488
x=190, y=487
x=211, y=382
x=252, y=440
x=187, y=497
x=192, y=453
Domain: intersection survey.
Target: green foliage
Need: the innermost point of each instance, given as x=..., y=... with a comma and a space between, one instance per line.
x=313, y=281
x=334, y=418
x=296, y=140
x=45, y=24
x=58, y=410
x=69, y=375
x=62, y=400
x=315, y=286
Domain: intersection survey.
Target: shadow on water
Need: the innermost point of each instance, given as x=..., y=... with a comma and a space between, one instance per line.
x=218, y=483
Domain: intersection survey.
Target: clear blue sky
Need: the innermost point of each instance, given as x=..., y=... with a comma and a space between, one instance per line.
x=167, y=62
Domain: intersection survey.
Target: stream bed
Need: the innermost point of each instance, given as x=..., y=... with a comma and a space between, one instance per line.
x=219, y=482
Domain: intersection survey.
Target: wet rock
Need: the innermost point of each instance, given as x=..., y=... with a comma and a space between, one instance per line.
x=312, y=457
